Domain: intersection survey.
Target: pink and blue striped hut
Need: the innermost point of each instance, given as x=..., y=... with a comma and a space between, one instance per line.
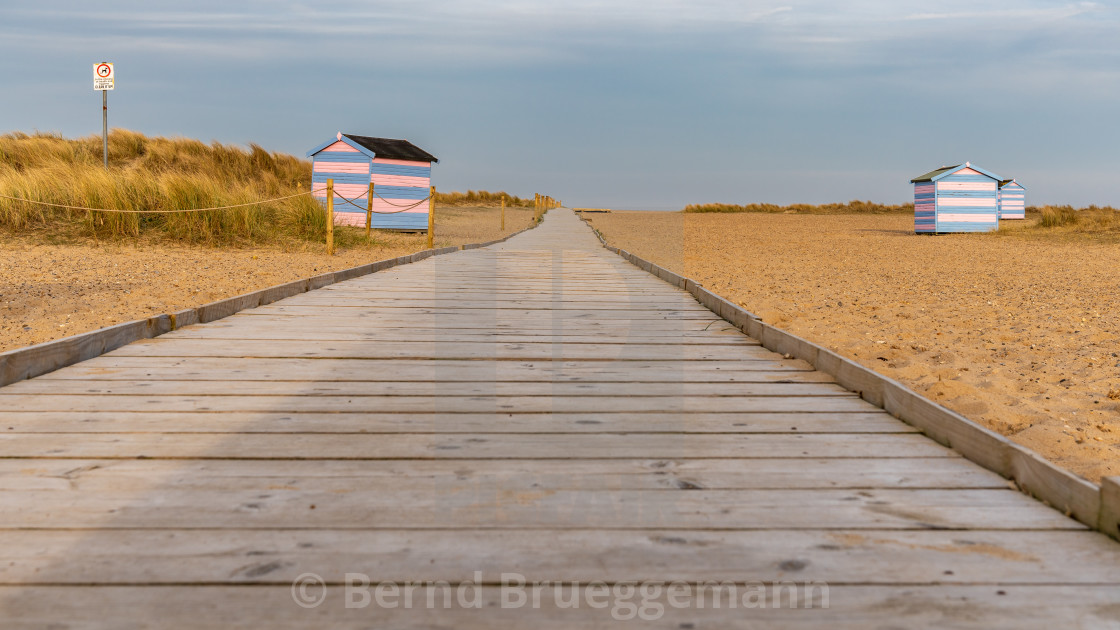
x=1012, y=200
x=961, y=198
x=400, y=171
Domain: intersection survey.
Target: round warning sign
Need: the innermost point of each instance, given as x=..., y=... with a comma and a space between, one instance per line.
x=103, y=76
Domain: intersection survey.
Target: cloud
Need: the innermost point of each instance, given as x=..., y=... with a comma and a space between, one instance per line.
x=1016, y=14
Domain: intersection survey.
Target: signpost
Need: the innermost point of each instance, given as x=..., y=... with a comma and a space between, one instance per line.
x=103, y=79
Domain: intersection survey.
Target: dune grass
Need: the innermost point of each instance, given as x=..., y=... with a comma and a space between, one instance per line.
x=851, y=207
x=481, y=198
x=1092, y=223
x=154, y=173
x=1090, y=219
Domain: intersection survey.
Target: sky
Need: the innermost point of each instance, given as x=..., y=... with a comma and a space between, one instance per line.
x=642, y=104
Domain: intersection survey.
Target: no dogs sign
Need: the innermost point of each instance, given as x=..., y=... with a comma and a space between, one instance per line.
x=103, y=76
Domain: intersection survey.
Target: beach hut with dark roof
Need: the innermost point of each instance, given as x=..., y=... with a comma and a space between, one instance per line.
x=1012, y=200
x=399, y=170
x=961, y=198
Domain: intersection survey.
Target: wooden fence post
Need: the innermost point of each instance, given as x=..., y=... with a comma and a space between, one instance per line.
x=503, y=213
x=330, y=217
x=431, y=215
x=369, y=211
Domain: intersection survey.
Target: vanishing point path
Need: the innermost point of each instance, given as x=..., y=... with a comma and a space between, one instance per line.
x=535, y=411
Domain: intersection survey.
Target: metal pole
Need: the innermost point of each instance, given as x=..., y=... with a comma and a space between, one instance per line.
x=105, y=126
x=503, y=214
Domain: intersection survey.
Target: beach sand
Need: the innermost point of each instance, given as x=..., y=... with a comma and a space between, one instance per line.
x=50, y=291
x=1021, y=335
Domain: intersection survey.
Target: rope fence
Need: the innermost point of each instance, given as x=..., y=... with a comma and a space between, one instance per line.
x=168, y=211
x=541, y=204
x=364, y=209
x=232, y=207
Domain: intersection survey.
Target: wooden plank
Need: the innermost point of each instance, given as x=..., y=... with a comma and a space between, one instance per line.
x=24, y=363
x=548, y=304
x=328, y=477
x=445, y=337
x=487, y=507
x=358, y=331
x=987, y=448
x=380, y=422
x=419, y=349
x=1109, y=516
x=249, y=607
x=183, y=556
x=414, y=293
x=387, y=388
x=499, y=322
x=521, y=314
x=572, y=446
x=687, y=329
x=527, y=298
x=443, y=286
x=443, y=404
x=1059, y=488
x=237, y=368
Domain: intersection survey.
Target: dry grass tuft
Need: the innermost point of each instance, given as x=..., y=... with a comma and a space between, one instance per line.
x=1058, y=216
x=1094, y=223
x=852, y=207
x=481, y=198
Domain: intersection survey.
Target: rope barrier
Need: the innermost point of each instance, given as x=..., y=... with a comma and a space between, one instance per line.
x=398, y=205
x=363, y=209
x=170, y=211
x=240, y=205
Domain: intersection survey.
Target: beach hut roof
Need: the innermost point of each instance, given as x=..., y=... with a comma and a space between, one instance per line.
x=945, y=171
x=380, y=148
x=1011, y=181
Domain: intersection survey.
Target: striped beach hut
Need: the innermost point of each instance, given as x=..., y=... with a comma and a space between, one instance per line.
x=1012, y=200
x=399, y=170
x=961, y=198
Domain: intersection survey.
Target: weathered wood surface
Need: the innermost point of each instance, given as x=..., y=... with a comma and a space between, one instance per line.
x=442, y=370
x=916, y=557
x=251, y=607
x=74, y=477
x=417, y=422
x=782, y=387
x=539, y=408
x=572, y=446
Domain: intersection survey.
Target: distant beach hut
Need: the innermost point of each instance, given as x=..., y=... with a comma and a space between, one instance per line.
x=961, y=198
x=399, y=170
x=1012, y=200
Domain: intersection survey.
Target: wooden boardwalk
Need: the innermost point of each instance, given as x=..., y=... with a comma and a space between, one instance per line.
x=540, y=409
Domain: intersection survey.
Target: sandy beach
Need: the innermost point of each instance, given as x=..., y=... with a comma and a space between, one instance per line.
x=1018, y=334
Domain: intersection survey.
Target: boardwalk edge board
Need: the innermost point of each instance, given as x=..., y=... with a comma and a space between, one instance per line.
x=1109, y=521
x=1096, y=507
x=25, y=363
